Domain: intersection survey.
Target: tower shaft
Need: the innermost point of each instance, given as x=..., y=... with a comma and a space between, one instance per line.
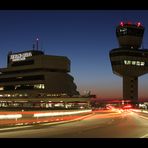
x=130, y=88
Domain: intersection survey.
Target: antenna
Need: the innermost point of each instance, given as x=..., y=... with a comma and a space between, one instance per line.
x=33, y=46
x=37, y=43
x=42, y=46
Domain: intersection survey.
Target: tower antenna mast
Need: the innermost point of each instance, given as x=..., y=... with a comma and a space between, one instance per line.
x=33, y=46
x=37, y=43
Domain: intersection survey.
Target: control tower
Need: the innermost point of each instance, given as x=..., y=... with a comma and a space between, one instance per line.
x=129, y=60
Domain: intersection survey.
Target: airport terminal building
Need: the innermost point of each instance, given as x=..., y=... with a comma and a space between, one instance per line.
x=32, y=76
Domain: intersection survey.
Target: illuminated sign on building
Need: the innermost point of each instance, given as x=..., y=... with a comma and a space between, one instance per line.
x=20, y=56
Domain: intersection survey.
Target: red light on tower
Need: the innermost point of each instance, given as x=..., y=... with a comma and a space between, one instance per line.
x=121, y=23
x=138, y=24
x=129, y=23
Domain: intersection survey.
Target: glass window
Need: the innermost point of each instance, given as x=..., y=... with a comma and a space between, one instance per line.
x=25, y=78
x=133, y=62
x=130, y=31
x=39, y=86
x=1, y=88
x=127, y=62
x=138, y=63
x=123, y=31
x=142, y=63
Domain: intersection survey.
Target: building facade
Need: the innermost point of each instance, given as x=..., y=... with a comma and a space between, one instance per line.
x=33, y=74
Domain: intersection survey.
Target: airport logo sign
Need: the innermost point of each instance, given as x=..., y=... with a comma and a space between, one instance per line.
x=20, y=56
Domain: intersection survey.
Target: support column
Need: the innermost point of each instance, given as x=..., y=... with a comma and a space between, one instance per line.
x=130, y=88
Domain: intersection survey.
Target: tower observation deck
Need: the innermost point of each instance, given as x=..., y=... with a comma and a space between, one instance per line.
x=129, y=60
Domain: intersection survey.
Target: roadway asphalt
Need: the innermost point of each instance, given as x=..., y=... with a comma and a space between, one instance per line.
x=99, y=125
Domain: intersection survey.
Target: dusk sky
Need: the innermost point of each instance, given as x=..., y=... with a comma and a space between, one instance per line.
x=84, y=36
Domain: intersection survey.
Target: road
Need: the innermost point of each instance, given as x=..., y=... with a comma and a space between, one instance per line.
x=99, y=125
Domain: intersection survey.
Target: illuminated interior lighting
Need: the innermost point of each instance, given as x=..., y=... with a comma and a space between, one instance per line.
x=1, y=88
x=137, y=63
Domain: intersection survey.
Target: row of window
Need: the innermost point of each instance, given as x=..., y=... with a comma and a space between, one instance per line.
x=24, y=78
x=137, y=63
x=129, y=62
x=129, y=31
x=33, y=70
x=22, y=63
x=40, y=95
x=22, y=87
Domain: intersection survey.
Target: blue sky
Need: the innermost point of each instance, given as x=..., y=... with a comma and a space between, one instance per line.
x=84, y=36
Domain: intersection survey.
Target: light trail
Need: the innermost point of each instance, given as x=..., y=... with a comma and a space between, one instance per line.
x=60, y=113
x=144, y=136
x=16, y=116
